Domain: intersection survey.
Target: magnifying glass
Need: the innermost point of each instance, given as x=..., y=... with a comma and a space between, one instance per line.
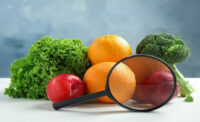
x=149, y=86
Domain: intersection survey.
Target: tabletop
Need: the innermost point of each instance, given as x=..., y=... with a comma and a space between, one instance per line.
x=28, y=110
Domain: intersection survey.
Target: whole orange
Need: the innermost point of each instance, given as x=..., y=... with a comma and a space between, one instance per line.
x=108, y=48
x=121, y=82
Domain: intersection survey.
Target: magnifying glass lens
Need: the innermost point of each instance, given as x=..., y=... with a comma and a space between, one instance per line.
x=143, y=83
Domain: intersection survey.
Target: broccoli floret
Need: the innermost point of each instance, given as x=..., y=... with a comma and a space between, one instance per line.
x=171, y=49
x=47, y=58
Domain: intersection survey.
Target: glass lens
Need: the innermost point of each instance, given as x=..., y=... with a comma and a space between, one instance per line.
x=141, y=83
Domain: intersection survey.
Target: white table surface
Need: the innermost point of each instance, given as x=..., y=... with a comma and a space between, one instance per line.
x=27, y=110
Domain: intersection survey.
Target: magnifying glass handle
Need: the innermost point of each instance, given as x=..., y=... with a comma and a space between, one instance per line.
x=77, y=100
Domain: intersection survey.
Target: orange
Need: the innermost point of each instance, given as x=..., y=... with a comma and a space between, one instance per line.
x=108, y=48
x=121, y=82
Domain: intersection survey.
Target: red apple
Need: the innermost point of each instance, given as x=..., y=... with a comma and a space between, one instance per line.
x=157, y=87
x=65, y=86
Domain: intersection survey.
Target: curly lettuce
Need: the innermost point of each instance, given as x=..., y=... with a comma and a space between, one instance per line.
x=46, y=58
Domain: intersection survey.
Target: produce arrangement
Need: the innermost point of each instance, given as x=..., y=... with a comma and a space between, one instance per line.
x=62, y=69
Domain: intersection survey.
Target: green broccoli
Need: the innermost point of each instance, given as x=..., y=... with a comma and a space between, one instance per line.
x=47, y=58
x=171, y=49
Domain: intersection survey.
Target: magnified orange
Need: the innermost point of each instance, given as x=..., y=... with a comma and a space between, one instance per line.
x=122, y=81
x=108, y=48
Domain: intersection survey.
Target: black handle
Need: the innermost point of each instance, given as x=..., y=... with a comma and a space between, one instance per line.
x=77, y=100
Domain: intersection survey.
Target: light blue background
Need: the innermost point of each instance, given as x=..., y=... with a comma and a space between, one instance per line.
x=24, y=21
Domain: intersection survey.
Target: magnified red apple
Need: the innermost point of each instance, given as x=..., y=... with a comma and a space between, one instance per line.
x=158, y=87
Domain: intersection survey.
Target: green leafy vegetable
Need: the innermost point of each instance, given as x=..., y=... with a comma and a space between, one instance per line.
x=189, y=99
x=47, y=58
x=171, y=49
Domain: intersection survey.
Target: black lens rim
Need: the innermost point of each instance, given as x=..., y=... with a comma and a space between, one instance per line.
x=109, y=94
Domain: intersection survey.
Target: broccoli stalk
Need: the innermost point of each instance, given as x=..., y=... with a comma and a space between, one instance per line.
x=185, y=88
x=171, y=49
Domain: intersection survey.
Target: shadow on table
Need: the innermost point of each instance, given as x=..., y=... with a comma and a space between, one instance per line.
x=90, y=108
